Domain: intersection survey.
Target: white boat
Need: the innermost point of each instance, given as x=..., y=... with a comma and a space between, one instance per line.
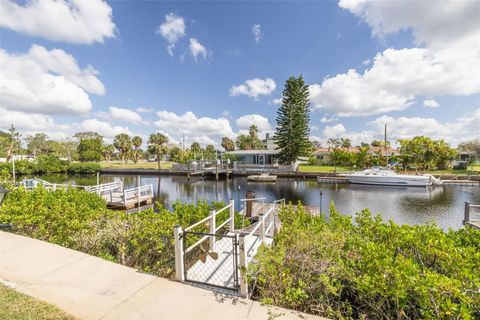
x=387, y=177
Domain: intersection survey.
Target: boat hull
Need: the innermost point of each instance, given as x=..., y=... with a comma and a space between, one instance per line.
x=404, y=181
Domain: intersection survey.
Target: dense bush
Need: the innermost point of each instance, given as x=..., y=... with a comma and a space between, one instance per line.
x=81, y=221
x=50, y=164
x=368, y=269
x=84, y=167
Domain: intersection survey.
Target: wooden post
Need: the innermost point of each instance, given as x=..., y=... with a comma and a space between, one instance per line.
x=261, y=220
x=243, y=263
x=212, y=229
x=188, y=170
x=216, y=169
x=179, y=266
x=232, y=215
x=138, y=193
x=98, y=178
x=467, y=213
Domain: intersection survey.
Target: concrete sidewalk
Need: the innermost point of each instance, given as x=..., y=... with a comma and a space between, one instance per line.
x=92, y=288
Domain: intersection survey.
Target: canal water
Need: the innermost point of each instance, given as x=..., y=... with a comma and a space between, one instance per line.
x=442, y=205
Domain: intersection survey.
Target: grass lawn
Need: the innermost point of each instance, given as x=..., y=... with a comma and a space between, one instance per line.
x=322, y=169
x=18, y=306
x=139, y=165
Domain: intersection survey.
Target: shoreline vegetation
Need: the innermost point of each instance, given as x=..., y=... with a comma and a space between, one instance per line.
x=50, y=164
x=336, y=267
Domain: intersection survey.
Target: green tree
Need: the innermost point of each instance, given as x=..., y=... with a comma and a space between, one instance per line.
x=362, y=157
x=13, y=146
x=156, y=145
x=196, y=150
x=67, y=148
x=123, y=143
x=346, y=143
x=292, y=131
x=89, y=147
x=210, y=152
x=228, y=144
x=424, y=153
x=137, y=143
x=472, y=148
x=37, y=144
x=253, y=131
x=176, y=155
x=107, y=152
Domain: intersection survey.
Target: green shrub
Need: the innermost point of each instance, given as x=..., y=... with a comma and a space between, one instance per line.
x=84, y=168
x=365, y=268
x=48, y=163
x=81, y=221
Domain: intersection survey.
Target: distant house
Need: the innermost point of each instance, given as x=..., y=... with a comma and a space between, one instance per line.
x=323, y=154
x=257, y=159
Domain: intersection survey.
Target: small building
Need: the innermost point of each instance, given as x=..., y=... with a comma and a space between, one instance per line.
x=255, y=157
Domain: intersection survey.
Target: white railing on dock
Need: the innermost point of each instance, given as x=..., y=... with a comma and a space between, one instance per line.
x=245, y=247
x=472, y=214
x=116, y=186
x=134, y=194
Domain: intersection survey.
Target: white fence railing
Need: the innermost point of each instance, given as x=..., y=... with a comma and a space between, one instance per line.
x=247, y=243
x=472, y=213
x=116, y=186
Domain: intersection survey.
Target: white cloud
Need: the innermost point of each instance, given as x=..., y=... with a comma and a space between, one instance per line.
x=257, y=32
x=103, y=128
x=75, y=21
x=262, y=123
x=461, y=129
x=434, y=23
x=144, y=110
x=449, y=63
x=333, y=131
x=366, y=62
x=328, y=120
x=29, y=122
x=47, y=82
x=276, y=102
x=203, y=130
x=197, y=49
x=124, y=114
x=454, y=132
x=254, y=88
x=430, y=103
x=172, y=30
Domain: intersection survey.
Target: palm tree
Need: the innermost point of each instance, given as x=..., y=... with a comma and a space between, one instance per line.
x=137, y=142
x=123, y=143
x=156, y=145
x=108, y=151
x=228, y=144
x=252, y=131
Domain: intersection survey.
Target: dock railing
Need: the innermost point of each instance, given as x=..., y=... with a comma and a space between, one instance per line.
x=104, y=188
x=264, y=226
x=472, y=215
x=135, y=193
x=180, y=251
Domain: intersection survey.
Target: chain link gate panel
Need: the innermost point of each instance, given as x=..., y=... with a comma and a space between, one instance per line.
x=214, y=262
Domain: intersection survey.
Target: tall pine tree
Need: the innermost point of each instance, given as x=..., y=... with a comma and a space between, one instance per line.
x=293, y=131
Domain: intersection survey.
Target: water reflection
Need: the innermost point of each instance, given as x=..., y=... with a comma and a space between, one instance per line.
x=441, y=205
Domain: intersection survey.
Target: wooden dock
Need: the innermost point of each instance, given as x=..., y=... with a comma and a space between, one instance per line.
x=461, y=182
x=332, y=180
x=130, y=198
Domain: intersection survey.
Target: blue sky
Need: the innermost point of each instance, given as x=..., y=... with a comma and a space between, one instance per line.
x=111, y=69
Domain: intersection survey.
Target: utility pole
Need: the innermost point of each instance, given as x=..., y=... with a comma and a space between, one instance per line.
x=183, y=142
x=12, y=151
x=385, y=143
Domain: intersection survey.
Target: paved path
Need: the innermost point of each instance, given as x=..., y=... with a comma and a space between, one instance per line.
x=92, y=288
